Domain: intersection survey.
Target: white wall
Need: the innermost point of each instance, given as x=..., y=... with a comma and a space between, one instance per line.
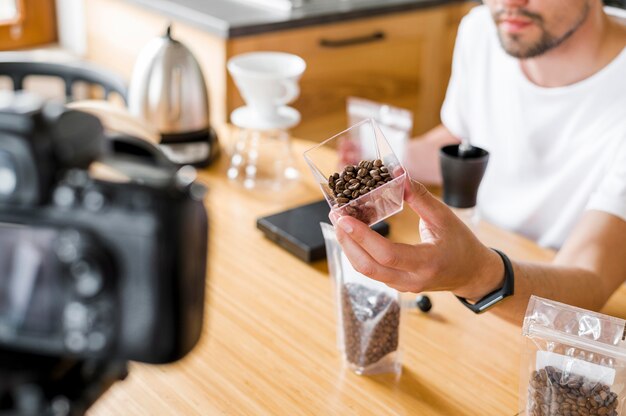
x=71, y=26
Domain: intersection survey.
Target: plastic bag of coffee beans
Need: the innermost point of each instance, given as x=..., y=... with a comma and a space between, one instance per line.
x=368, y=315
x=574, y=361
x=396, y=124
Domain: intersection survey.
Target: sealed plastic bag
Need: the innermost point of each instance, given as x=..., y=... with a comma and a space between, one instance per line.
x=368, y=315
x=395, y=123
x=574, y=361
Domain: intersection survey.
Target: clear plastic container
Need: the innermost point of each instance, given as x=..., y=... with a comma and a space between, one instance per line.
x=369, y=144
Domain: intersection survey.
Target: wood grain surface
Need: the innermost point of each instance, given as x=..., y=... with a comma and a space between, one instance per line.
x=269, y=345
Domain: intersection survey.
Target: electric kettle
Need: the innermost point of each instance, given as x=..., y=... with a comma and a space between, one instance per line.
x=168, y=91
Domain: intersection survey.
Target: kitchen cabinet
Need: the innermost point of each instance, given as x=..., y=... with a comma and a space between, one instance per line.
x=400, y=58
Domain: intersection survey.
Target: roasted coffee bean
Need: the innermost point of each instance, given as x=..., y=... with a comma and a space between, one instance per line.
x=554, y=393
x=355, y=181
x=371, y=321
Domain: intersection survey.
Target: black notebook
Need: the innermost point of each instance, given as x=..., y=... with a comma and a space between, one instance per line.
x=298, y=230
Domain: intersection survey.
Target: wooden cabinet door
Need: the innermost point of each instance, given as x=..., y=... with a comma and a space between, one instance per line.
x=400, y=59
x=27, y=23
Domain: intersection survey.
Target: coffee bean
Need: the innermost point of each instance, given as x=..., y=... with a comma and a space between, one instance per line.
x=342, y=201
x=371, y=321
x=554, y=393
x=357, y=180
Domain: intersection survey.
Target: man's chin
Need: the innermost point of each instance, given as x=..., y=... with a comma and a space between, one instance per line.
x=517, y=47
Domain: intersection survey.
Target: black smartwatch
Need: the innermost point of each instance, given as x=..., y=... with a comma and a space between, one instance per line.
x=497, y=295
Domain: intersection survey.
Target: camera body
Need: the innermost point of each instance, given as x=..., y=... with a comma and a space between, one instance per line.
x=91, y=268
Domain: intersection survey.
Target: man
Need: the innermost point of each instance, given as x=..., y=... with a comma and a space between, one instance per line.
x=540, y=84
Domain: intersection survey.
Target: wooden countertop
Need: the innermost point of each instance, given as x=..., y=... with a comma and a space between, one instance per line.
x=269, y=343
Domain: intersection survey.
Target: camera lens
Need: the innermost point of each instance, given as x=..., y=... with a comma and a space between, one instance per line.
x=8, y=176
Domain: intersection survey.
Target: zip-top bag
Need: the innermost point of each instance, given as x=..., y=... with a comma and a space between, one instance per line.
x=574, y=361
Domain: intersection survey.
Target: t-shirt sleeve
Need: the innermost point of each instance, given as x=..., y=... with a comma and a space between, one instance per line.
x=453, y=116
x=611, y=194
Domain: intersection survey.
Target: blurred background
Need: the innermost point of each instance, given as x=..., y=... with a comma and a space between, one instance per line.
x=390, y=51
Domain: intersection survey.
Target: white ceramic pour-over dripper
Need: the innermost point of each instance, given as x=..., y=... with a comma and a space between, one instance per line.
x=267, y=81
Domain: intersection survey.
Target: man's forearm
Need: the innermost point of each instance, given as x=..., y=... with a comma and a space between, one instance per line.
x=422, y=158
x=585, y=272
x=571, y=285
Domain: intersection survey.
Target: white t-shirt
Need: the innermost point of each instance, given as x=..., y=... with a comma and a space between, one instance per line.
x=554, y=152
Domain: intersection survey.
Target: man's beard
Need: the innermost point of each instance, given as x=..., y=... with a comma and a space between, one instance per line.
x=514, y=45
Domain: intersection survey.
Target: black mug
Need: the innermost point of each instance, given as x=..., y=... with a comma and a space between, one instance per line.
x=462, y=174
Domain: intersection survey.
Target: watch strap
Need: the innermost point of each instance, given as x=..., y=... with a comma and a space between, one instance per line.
x=497, y=295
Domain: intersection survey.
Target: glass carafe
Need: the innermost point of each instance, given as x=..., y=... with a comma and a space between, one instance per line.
x=262, y=159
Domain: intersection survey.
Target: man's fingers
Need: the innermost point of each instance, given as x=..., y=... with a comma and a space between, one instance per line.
x=424, y=203
x=384, y=252
x=365, y=264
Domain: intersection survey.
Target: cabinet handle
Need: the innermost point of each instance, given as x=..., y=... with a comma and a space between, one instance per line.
x=340, y=43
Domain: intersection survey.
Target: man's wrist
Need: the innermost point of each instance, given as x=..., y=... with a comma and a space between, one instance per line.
x=488, y=278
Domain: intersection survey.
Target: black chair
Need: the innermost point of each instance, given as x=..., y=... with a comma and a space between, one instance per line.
x=18, y=71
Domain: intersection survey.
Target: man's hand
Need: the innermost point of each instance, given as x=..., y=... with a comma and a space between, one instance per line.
x=449, y=256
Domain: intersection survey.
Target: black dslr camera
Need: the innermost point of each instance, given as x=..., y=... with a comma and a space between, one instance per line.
x=92, y=272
